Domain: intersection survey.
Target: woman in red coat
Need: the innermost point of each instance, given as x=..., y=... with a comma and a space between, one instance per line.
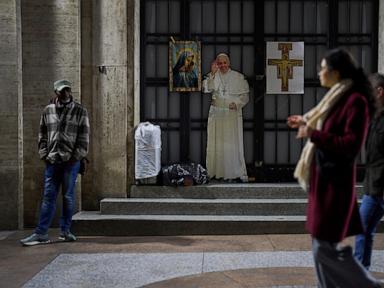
x=336, y=129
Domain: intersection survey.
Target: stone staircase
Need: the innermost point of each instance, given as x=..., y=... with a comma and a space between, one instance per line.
x=214, y=209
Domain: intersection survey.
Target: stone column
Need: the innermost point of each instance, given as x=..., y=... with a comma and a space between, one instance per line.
x=51, y=51
x=11, y=146
x=381, y=37
x=109, y=105
x=89, y=199
x=133, y=83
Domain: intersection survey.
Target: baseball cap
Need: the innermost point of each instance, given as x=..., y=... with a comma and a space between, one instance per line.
x=61, y=84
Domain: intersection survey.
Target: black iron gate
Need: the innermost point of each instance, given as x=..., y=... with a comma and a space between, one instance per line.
x=241, y=28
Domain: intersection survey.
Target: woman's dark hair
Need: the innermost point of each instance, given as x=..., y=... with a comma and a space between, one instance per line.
x=343, y=62
x=377, y=80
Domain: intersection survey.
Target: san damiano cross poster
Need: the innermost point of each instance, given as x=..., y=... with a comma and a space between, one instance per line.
x=285, y=67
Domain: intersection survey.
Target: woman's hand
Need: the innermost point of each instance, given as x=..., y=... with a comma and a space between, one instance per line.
x=304, y=132
x=295, y=121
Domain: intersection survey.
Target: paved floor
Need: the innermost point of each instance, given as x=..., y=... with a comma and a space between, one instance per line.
x=157, y=262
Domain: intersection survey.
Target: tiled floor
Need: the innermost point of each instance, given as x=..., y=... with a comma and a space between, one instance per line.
x=156, y=262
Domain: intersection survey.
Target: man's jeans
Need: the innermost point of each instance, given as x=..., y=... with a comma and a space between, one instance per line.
x=371, y=212
x=56, y=175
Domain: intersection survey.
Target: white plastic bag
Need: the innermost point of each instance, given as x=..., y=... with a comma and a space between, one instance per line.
x=147, y=150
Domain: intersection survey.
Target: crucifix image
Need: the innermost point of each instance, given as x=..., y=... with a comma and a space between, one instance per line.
x=285, y=65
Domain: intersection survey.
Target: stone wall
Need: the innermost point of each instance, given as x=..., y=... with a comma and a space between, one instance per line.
x=51, y=51
x=10, y=103
x=93, y=56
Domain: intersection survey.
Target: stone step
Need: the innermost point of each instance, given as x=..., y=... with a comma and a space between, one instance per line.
x=214, y=209
x=94, y=223
x=219, y=191
x=223, y=191
x=178, y=206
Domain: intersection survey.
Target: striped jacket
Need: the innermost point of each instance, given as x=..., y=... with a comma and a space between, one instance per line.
x=64, y=135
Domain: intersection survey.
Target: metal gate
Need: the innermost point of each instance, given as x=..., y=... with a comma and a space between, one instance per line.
x=241, y=28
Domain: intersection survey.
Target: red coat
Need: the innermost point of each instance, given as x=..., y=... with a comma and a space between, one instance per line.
x=332, y=212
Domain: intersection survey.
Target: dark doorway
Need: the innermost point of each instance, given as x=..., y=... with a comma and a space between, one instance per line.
x=241, y=28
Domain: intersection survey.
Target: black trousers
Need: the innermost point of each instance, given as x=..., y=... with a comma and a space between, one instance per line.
x=336, y=267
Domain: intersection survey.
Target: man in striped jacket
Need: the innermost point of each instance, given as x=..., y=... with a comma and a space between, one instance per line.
x=63, y=143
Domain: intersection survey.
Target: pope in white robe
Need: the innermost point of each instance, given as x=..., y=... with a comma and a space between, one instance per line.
x=230, y=93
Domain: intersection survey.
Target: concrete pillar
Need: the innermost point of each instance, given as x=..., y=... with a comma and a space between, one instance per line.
x=133, y=81
x=110, y=104
x=51, y=51
x=381, y=37
x=89, y=199
x=11, y=146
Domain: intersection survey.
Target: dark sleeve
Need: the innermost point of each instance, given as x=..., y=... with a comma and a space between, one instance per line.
x=43, y=138
x=380, y=131
x=376, y=155
x=352, y=138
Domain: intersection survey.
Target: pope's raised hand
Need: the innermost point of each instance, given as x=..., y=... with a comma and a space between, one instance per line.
x=232, y=106
x=214, y=67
